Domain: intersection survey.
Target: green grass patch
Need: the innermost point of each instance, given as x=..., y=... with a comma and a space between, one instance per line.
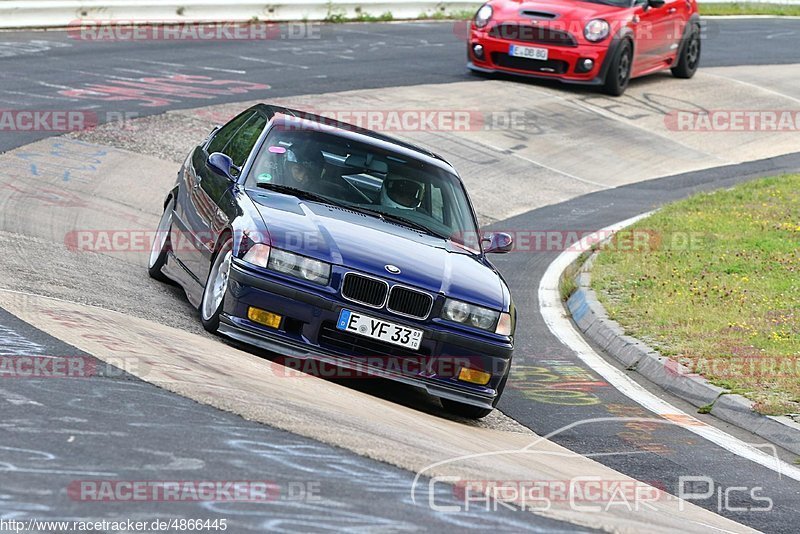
x=459, y=14
x=715, y=284
x=747, y=8
x=339, y=17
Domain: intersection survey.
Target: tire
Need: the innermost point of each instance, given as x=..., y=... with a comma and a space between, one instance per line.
x=216, y=286
x=689, y=58
x=619, y=70
x=467, y=411
x=162, y=245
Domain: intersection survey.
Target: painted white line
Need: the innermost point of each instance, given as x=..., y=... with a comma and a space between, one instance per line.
x=151, y=62
x=271, y=62
x=759, y=87
x=230, y=71
x=561, y=326
x=508, y=152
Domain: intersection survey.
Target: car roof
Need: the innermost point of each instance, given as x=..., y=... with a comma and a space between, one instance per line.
x=285, y=115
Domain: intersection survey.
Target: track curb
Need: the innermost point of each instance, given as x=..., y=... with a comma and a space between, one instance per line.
x=591, y=318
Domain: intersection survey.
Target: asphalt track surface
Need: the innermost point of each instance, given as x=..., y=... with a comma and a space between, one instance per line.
x=38, y=67
x=163, y=432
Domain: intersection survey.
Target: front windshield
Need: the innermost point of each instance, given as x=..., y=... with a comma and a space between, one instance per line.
x=363, y=177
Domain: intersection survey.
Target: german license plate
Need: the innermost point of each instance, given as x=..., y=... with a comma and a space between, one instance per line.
x=364, y=325
x=529, y=52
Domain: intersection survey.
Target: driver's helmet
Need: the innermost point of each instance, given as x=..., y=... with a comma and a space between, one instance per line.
x=309, y=159
x=401, y=193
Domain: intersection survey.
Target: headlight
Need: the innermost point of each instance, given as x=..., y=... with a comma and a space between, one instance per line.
x=483, y=16
x=596, y=30
x=292, y=264
x=314, y=271
x=289, y=263
x=469, y=314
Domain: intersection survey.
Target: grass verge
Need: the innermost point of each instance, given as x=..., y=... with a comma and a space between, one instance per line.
x=747, y=8
x=716, y=285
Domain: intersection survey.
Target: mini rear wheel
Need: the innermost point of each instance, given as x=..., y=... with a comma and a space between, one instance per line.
x=689, y=59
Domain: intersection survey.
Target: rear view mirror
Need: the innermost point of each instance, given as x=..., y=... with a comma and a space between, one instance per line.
x=223, y=165
x=367, y=163
x=499, y=243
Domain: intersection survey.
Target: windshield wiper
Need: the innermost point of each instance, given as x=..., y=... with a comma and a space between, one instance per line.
x=301, y=193
x=401, y=220
x=413, y=224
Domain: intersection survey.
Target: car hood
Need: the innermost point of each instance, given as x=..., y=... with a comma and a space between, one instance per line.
x=368, y=244
x=566, y=11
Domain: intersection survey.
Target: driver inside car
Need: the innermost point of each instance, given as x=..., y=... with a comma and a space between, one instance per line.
x=304, y=168
x=401, y=193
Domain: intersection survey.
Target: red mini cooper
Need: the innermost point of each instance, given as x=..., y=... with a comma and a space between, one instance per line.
x=590, y=42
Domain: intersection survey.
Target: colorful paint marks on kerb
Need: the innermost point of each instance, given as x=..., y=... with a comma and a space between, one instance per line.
x=162, y=91
x=559, y=382
x=64, y=161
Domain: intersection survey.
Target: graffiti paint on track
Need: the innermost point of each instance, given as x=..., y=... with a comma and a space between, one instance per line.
x=162, y=91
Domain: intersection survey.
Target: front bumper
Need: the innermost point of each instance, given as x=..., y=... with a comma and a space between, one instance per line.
x=307, y=332
x=561, y=64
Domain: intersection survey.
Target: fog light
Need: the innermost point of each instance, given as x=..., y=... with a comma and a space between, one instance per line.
x=266, y=318
x=474, y=376
x=585, y=65
x=478, y=51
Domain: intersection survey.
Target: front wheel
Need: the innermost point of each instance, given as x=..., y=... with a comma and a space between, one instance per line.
x=216, y=287
x=619, y=71
x=689, y=59
x=161, y=245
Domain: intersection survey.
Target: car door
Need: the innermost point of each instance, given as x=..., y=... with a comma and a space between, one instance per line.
x=654, y=34
x=200, y=190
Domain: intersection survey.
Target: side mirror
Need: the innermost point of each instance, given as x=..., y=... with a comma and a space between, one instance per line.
x=499, y=243
x=656, y=3
x=222, y=165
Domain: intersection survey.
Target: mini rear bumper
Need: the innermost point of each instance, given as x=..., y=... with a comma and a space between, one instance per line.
x=308, y=332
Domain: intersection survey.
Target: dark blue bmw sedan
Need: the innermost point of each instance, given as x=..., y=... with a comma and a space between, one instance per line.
x=328, y=243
